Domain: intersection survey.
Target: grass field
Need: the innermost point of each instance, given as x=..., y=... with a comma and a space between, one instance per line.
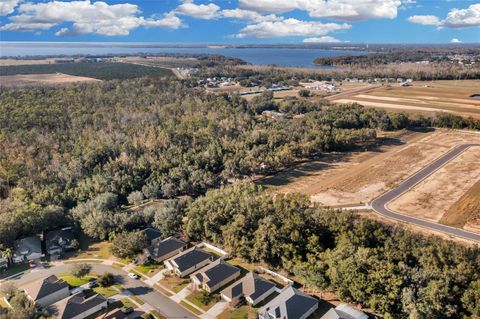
x=422, y=98
x=53, y=79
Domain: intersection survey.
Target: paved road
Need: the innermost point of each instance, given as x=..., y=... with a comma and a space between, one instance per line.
x=379, y=204
x=167, y=307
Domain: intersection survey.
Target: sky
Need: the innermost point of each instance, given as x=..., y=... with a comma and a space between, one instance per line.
x=242, y=21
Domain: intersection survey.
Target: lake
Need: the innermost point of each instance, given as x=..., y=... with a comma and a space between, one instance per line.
x=292, y=57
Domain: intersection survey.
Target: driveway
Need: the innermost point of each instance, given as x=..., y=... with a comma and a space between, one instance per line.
x=163, y=304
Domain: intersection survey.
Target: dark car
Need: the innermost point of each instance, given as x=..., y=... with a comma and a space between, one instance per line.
x=93, y=284
x=127, y=310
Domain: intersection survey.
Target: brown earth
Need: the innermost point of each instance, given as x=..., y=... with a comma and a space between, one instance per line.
x=465, y=211
x=21, y=80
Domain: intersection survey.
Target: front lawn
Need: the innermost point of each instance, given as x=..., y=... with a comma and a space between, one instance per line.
x=190, y=308
x=13, y=270
x=174, y=283
x=76, y=282
x=244, y=312
x=149, y=269
x=107, y=292
x=128, y=303
x=203, y=299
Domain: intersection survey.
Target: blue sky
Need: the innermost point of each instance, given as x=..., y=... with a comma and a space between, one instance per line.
x=241, y=21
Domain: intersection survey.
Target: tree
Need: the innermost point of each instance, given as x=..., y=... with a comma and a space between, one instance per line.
x=471, y=299
x=135, y=197
x=106, y=280
x=304, y=93
x=128, y=244
x=81, y=270
x=168, y=217
x=75, y=244
x=23, y=307
x=9, y=289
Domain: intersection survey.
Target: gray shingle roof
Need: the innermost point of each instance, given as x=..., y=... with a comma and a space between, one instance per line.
x=152, y=233
x=45, y=287
x=191, y=258
x=344, y=311
x=27, y=246
x=252, y=285
x=160, y=248
x=217, y=272
x=290, y=303
x=59, y=238
x=74, y=305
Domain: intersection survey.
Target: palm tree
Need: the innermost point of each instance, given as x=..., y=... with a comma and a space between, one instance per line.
x=7, y=253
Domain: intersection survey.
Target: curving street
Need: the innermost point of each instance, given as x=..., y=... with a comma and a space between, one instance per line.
x=379, y=204
x=163, y=304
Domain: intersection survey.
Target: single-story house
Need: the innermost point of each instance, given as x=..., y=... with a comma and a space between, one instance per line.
x=47, y=291
x=215, y=275
x=78, y=307
x=188, y=261
x=161, y=250
x=289, y=304
x=58, y=241
x=3, y=263
x=152, y=234
x=252, y=287
x=29, y=248
x=344, y=311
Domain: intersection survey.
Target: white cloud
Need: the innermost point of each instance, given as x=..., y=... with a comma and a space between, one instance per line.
x=8, y=6
x=248, y=15
x=463, y=18
x=324, y=39
x=86, y=17
x=424, y=20
x=289, y=27
x=349, y=10
x=199, y=11
x=456, y=18
x=455, y=40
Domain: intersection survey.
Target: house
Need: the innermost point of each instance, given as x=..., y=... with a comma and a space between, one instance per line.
x=289, y=304
x=161, y=250
x=78, y=306
x=344, y=311
x=252, y=287
x=188, y=261
x=47, y=291
x=215, y=275
x=29, y=248
x=3, y=263
x=114, y=314
x=152, y=234
x=58, y=241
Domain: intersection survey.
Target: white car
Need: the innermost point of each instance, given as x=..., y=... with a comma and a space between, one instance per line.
x=133, y=276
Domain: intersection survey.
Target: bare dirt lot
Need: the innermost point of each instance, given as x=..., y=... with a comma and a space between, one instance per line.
x=422, y=97
x=21, y=80
x=358, y=178
x=466, y=211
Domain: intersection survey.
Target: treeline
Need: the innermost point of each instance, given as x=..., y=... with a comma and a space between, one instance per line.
x=392, y=271
x=400, y=56
x=65, y=146
x=97, y=70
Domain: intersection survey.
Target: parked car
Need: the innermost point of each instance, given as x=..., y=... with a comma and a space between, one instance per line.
x=32, y=264
x=127, y=310
x=133, y=275
x=93, y=284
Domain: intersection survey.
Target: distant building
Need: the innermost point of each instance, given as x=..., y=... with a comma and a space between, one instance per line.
x=344, y=311
x=29, y=248
x=59, y=241
x=160, y=250
x=188, y=261
x=215, y=275
x=252, y=287
x=289, y=304
x=78, y=307
x=47, y=291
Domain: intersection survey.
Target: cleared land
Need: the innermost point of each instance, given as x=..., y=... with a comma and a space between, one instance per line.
x=357, y=178
x=21, y=80
x=423, y=97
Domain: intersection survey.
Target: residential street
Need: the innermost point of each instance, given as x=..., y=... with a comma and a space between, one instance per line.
x=167, y=307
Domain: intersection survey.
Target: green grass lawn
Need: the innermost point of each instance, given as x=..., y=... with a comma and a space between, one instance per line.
x=157, y=314
x=196, y=299
x=149, y=270
x=127, y=303
x=244, y=312
x=76, y=282
x=13, y=269
x=192, y=309
x=137, y=300
x=107, y=292
x=175, y=283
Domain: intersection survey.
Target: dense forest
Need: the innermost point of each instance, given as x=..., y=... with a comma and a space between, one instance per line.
x=390, y=270
x=97, y=70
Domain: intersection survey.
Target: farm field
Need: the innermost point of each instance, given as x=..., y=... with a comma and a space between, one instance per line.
x=357, y=178
x=21, y=80
x=422, y=98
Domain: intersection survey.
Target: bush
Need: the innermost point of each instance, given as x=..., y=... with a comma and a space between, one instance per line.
x=106, y=280
x=81, y=270
x=128, y=244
